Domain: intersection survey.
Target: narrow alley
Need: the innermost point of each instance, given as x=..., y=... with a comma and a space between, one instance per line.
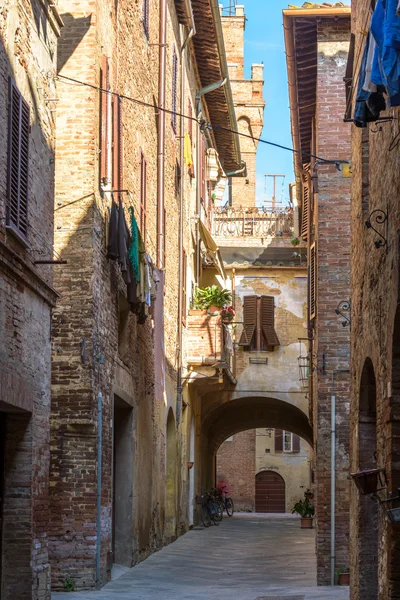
x=249, y=557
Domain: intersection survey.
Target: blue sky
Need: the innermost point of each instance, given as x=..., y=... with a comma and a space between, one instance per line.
x=264, y=43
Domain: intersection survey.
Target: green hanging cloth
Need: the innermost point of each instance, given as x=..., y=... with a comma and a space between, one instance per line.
x=133, y=252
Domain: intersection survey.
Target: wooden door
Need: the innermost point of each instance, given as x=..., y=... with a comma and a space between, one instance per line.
x=270, y=492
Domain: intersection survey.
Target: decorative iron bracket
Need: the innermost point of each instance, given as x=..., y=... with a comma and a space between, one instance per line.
x=343, y=307
x=379, y=217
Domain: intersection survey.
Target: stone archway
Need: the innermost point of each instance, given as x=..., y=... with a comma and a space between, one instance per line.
x=170, y=492
x=368, y=513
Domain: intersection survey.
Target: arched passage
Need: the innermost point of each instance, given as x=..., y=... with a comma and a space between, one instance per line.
x=368, y=511
x=242, y=414
x=170, y=493
x=270, y=492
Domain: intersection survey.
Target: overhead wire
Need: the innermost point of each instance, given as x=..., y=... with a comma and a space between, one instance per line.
x=202, y=124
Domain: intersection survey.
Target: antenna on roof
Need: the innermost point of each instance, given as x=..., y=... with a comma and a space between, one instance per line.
x=231, y=9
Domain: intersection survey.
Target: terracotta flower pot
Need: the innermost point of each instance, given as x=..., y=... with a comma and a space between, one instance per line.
x=306, y=522
x=344, y=579
x=213, y=309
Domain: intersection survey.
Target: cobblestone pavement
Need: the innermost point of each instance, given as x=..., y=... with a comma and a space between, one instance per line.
x=249, y=557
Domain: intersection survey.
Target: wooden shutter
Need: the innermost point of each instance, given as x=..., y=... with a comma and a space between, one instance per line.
x=268, y=320
x=143, y=196
x=190, y=122
x=348, y=79
x=174, y=89
x=278, y=440
x=117, y=146
x=249, y=319
x=296, y=443
x=104, y=84
x=184, y=285
x=305, y=203
x=18, y=160
x=146, y=17
x=313, y=283
x=165, y=238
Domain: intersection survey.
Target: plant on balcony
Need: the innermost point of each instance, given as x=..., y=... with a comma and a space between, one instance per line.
x=227, y=314
x=211, y=297
x=295, y=241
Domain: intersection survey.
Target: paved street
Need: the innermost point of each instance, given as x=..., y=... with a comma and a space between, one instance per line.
x=249, y=557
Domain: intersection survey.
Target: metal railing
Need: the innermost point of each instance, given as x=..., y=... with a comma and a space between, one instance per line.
x=251, y=222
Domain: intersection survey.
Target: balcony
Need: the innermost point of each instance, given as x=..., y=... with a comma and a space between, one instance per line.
x=238, y=222
x=210, y=348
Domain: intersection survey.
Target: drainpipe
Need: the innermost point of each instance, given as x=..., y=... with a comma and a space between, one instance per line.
x=333, y=473
x=161, y=132
x=99, y=469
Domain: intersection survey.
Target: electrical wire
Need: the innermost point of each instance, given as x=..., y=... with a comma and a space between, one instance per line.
x=202, y=124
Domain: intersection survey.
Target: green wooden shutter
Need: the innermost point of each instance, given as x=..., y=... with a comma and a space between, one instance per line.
x=250, y=320
x=268, y=320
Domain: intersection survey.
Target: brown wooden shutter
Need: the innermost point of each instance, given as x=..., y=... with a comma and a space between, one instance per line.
x=174, y=90
x=278, y=440
x=249, y=319
x=313, y=283
x=296, y=443
x=165, y=238
x=118, y=154
x=268, y=320
x=18, y=160
x=305, y=204
x=348, y=79
x=190, y=121
x=146, y=17
x=143, y=196
x=104, y=84
x=184, y=284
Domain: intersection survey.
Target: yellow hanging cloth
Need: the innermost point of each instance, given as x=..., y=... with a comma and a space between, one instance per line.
x=187, y=151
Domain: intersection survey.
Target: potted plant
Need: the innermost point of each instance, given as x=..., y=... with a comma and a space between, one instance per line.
x=343, y=576
x=211, y=298
x=295, y=241
x=306, y=510
x=227, y=314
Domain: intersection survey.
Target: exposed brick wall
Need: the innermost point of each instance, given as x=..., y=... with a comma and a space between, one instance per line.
x=236, y=464
x=375, y=339
x=332, y=220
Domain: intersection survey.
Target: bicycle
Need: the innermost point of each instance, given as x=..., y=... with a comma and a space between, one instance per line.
x=209, y=512
x=226, y=502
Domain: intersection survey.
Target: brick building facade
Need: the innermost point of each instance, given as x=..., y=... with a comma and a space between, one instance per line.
x=28, y=44
x=317, y=45
x=375, y=334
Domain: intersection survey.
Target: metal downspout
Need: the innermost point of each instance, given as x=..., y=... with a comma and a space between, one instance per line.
x=161, y=134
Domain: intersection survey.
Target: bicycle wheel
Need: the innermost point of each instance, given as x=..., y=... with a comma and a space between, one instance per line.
x=220, y=506
x=214, y=513
x=205, y=515
x=229, y=507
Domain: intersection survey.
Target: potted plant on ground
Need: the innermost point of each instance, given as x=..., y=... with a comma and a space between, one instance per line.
x=211, y=298
x=306, y=510
x=343, y=576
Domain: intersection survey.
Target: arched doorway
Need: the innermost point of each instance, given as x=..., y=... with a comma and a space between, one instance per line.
x=369, y=510
x=270, y=492
x=191, y=472
x=170, y=494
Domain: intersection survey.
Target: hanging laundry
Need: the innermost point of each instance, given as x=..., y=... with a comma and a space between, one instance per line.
x=398, y=9
x=385, y=27
x=112, y=246
x=368, y=104
x=187, y=150
x=123, y=240
x=134, y=246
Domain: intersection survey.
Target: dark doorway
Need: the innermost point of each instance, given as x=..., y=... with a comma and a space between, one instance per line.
x=2, y=467
x=368, y=515
x=270, y=492
x=122, y=483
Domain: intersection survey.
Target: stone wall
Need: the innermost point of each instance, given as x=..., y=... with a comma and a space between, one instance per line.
x=236, y=464
x=26, y=300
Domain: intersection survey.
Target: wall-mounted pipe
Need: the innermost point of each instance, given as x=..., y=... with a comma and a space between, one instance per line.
x=162, y=54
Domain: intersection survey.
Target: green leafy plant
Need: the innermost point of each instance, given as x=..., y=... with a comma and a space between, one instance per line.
x=69, y=585
x=295, y=241
x=211, y=296
x=341, y=572
x=304, y=508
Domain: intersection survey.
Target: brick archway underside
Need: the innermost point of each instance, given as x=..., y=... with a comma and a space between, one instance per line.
x=251, y=413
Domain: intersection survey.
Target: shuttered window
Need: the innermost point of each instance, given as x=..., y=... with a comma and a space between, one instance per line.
x=117, y=145
x=313, y=283
x=143, y=196
x=305, y=204
x=184, y=286
x=146, y=17
x=348, y=79
x=174, y=119
x=259, y=323
x=190, y=121
x=104, y=125
x=18, y=161
x=287, y=442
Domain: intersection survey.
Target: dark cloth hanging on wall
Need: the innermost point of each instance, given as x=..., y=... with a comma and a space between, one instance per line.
x=112, y=246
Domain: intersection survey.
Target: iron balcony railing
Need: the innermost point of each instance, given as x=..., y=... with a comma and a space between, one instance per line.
x=251, y=222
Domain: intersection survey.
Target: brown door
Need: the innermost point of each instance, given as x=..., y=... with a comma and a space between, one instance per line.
x=270, y=492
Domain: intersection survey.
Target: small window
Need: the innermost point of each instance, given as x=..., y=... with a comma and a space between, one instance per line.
x=18, y=161
x=174, y=119
x=143, y=196
x=146, y=17
x=287, y=441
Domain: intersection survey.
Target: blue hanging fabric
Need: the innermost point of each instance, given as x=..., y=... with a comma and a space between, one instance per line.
x=133, y=252
x=385, y=27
